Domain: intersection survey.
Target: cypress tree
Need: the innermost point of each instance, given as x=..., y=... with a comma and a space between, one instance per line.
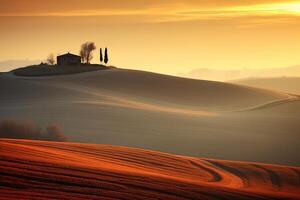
x=101, y=56
x=105, y=56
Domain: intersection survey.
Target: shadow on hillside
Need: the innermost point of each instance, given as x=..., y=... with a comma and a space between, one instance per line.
x=49, y=70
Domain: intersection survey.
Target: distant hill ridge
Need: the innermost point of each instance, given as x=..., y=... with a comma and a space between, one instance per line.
x=283, y=84
x=229, y=75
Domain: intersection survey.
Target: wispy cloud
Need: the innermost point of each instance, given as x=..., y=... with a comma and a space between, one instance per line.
x=177, y=8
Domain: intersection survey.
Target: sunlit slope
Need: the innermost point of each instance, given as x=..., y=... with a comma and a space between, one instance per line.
x=151, y=87
x=86, y=171
x=130, y=87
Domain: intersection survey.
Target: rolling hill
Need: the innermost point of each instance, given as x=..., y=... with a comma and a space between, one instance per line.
x=284, y=84
x=159, y=112
x=46, y=170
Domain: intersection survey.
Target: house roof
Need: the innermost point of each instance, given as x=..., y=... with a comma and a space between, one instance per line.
x=68, y=54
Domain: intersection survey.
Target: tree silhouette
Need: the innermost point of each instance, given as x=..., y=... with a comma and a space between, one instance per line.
x=50, y=59
x=101, y=56
x=105, y=56
x=82, y=55
x=86, y=51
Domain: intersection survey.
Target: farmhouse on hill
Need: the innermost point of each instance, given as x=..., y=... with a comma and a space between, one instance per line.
x=68, y=59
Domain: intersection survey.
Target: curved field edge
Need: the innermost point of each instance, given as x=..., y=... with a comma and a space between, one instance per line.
x=38, y=169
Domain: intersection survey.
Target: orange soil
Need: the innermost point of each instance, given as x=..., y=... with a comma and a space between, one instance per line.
x=37, y=170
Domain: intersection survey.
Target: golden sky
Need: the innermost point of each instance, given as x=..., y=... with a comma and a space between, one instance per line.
x=167, y=36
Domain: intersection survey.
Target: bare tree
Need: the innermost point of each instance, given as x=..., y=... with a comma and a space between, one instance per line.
x=86, y=51
x=50, y=59
x=82, y=55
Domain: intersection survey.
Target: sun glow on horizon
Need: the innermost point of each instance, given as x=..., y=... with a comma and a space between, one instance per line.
x=180, y=34
x=252, y=10
x=291, y=8
x=287, y=8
